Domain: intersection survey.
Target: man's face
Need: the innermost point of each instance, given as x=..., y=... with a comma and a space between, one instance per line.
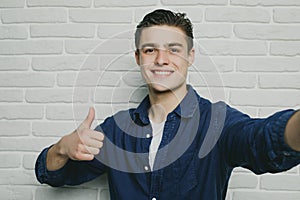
x=164, y=57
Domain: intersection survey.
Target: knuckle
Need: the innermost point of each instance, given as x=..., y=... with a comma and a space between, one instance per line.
x=77, y=156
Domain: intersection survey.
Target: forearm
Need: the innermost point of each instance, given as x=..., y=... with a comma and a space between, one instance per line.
x=55, y=159
x=292, y=132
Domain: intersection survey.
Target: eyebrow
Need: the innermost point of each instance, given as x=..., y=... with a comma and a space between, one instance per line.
x=172, y=44
x=175, y=44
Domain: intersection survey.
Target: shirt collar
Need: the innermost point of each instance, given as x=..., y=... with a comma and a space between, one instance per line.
x=185, y=109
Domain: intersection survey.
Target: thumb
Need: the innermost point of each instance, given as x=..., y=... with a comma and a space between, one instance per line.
x=90, y=118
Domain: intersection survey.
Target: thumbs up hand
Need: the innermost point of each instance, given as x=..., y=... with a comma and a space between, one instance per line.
x=83, y=143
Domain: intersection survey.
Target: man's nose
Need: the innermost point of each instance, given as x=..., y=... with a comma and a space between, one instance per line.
x=162, y=57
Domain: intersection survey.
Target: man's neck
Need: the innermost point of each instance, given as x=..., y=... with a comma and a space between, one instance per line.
x=162, y=103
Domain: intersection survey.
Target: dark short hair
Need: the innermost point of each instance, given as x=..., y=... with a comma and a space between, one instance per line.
x=166, y=17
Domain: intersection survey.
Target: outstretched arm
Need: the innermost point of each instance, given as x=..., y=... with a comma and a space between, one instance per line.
x=292, y=132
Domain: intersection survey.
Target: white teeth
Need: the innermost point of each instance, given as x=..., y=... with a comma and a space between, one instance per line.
x=162, y=72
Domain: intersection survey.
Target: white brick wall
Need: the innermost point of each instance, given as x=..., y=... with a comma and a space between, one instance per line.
x=52, y=54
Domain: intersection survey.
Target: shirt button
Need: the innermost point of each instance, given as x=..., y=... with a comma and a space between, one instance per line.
x=146, y=168
x=286, y=153
x=148, y=135
x=153, y=198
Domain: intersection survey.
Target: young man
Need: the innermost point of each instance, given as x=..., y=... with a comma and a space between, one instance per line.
x=175, y=144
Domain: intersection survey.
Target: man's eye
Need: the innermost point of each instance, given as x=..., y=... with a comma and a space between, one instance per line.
x=149, y=51
x=174, y=50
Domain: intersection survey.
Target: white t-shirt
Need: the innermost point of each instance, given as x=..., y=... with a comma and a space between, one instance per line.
x=157, y=133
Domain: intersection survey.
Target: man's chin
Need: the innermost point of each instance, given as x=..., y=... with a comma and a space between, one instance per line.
x=158, y=88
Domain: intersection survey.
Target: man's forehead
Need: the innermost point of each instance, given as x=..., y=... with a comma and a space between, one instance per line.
x=162, y=35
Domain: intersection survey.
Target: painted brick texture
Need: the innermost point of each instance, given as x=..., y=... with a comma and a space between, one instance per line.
x=59, y=57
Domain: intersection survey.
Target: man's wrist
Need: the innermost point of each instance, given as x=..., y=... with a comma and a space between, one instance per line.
x=56, y=159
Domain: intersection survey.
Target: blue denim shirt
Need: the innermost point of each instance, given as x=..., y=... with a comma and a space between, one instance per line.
x=202, y=142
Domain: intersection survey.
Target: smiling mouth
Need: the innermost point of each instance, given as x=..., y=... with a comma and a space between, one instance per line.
x=162, y=72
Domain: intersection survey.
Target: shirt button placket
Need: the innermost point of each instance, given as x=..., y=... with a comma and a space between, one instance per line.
x=146, y=168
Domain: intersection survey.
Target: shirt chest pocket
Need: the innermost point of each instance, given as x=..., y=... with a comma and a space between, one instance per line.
x=184, y=174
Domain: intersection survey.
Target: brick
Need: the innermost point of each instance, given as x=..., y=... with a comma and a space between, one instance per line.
x=63, y=30
x=100, y=15
x=243, y=181
x=264, y=98
x=29, y=161
x=81, y=47
x=269, y=32
x=120, y=3
x=212, y=64
x=133, y=79
x=279, y=81
x=89, y=79
x=267, y=64
x=10, y=160
x=228, y=195
x=286, y=15
x=231, y=14
x=194, y=2
x=214, y=94
x=230, y=47
x=114, y=46
x=31, y=47
x=15, y=128
x=280, y=182
x=11, y=95
x=116, y=31
x=24, y=144
x=286, y=48
x=30, y=15
x=16, y=192
x=267, y=111
x=65, y=194
x=59, y=3
x=118, y=63
x=265, y=2
x=13, y=32
x=65, y=63
x=249, y=110
x=104, y=194
x=50, y=129
x=105, y=110
x=119, y=95
x=234, y=80
x=17, y=177
x=21, y=112
x=12, y=3
x=66, y=112
x=56, y=95
x=212, y=31
x=194, y=14
x=14, y=64
x=16, y=79
x=263, y=195
x=76, y=113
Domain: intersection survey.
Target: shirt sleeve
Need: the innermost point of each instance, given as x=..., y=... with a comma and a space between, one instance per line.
x=258, y=144
x=72, y=173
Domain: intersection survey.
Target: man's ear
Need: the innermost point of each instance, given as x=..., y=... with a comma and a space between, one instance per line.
x=191, y=56
x=137, y=57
